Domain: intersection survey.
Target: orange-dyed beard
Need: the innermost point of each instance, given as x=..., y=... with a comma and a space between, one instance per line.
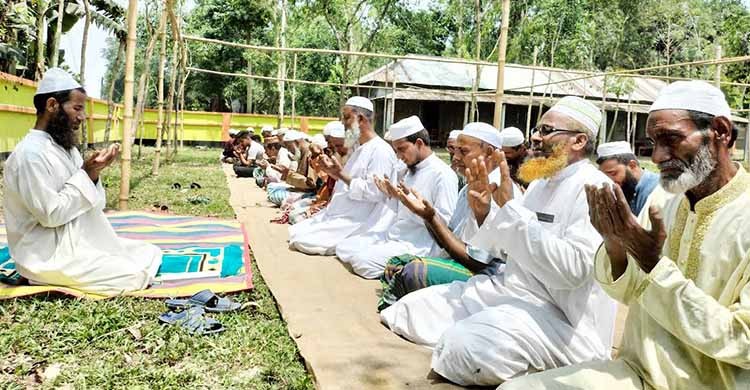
x=544, y=167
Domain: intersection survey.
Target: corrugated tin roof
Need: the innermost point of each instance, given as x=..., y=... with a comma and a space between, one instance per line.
x=518, y=79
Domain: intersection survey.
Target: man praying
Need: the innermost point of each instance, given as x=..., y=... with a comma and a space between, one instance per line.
x=58, y=233
x=618, y=162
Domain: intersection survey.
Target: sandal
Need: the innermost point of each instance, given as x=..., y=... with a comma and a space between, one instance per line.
x=207, y=300
x=195, y=186
x=193, y=321
x=176, y=186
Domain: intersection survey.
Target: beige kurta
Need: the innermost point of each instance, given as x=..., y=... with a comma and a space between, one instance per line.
x=689, y=321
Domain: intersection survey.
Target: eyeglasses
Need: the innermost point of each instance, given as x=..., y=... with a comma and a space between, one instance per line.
x=545, y=130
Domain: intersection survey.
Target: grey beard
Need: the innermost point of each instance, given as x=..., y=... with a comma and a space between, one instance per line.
x=693, y=175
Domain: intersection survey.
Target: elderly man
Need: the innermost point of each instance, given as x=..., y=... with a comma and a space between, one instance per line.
x=450, y=147
x=685, y=278
x=618, y=161
x=356, y=203
x=57, y=231
x=426, y=173
x=451, y=258
x=545, y=310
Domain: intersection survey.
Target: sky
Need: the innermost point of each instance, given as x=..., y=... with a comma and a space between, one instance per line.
x=96, y=61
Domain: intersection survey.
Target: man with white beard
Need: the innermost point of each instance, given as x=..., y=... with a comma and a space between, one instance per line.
x=357, y=203
x=545, y=310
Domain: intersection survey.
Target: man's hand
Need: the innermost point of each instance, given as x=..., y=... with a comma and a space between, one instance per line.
x=331, y=166
x=612, y=218
x=504, y=192
x=480, y=190
x=385, y=186
x=415, y=203
x=99, y=160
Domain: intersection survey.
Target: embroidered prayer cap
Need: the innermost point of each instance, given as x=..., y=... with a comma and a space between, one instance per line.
x=483, y=132
x=512, y=137
x=56, y=80
x=293, y=135
x=361, y=102
x=233, y=131
x=405, y=127
x=332, y=125
x=454, y=134
x=266, y=129
x=613, y=149
x=338, y=132
x=320, y=140
x=692, y=95
x=583, y=111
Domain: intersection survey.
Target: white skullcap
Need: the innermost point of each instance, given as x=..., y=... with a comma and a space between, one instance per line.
x=454, y=134
x=692, y=95
x=361, y=102
x=332, y=125
x=613, y=149
x=387, y=135
x=266, y=129
x=274, y=133
x=405, y=127
x=320, y=140
x=338, y=132
x=233, y=131
x=483, y=132
x=250, y=129
x=293, y=135
x=581, y=110
x=56, y=80
x=512, y=137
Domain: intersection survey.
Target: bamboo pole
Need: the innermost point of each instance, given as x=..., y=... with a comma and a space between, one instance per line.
x=531, y=95
x=503, y=45
x=477, y=57
x=294, y=87
x=717, y=76
x=58, y=32
x=82, y=74
x=142, y=83
x=160, y=89
x=41, y=10
x=603, y=127
x=393, y=97
x=128, y=104
x=282, y=59
x=170, y=100
x=249, y=102
x=385, y=99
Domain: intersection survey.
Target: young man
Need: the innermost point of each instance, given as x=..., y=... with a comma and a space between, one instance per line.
x=356, y=202
x=54, y=200
x=545, y=310
x=369, y=251
x=619, y=163
x=514, y=148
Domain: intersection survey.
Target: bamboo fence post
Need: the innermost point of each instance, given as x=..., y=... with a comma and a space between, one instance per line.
x=499, y=117
x=128, y=105
x=531, y=95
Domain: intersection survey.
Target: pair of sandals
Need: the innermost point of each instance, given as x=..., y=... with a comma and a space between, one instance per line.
x=189, y=314
x=193, y=186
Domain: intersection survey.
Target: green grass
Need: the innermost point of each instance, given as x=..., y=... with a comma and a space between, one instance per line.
x=118, y=343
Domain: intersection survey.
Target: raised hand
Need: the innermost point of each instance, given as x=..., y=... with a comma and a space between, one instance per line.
x=480, y=189
x=504, y=192
x=415, y=203
x=99, y=160
x=331, y=166
x=385, y=186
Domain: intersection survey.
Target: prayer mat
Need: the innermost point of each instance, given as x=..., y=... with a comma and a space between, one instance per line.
x=197, y=254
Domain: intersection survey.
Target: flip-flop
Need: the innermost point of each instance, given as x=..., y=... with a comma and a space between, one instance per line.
x=195, y=186
x=206, y=299
x=176, y=186
x=193, y=321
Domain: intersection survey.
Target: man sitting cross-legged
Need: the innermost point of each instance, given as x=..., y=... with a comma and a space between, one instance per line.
x=545, y=310
x=368, y=252
x=451, y=258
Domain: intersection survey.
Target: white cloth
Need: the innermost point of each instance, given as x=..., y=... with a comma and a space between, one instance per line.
x=613, y=149
x=57, y=231
x=483, y=132
x=352, y=208
x=692, y=95
x=255, y=151
x=544, y=311
x=369, y=252
x=56, y=80
x=405, y=127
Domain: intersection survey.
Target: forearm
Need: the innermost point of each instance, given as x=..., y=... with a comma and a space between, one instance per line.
x=455, y=247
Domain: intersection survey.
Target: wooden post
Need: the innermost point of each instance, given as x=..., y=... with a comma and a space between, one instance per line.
x=249, y=103
x=466, y=113
x=531, y=95
x=385, y=99
x=603, y=127
x=282, y=59
x=128, y=104
x=294, y=87
x=500, y=88
x=393, y=98
x=717, y=76
x=478, y=68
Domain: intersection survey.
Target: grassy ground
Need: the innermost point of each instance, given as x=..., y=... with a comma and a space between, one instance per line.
x=62, y=342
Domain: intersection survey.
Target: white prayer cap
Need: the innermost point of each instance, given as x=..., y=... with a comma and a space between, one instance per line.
x=250, y=129
x=338, y=132
x=692, y=95
x=293, y=135
x=405, y=127
x=454, y=134
x=233, y=131
x=320, y=140
x=274, y=133
x=483, y=132
x=56, y=80
x=266, y=129
x=332, y=125
x=613, y=149
x=581, y=110
x=512, y=137
x=361, y=102
x=387, y=135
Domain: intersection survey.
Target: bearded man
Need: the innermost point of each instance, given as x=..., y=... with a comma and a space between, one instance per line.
x=545, y=310
x=619, y=163
x=54, y=200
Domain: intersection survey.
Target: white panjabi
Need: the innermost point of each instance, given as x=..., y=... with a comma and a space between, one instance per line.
x=694, y=95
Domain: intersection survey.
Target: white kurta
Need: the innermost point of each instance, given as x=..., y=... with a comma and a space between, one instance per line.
x=352, y=208
x=369, y=251
x=57, y=232
x=545, y=311
x=283, y=159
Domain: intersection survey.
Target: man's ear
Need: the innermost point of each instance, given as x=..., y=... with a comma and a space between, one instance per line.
x=723, y=128
x=52, y=104
x=580, y=142
x=633, y=164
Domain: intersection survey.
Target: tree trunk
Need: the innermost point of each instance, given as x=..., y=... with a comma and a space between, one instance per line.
x=58, y=32
x=170, y=97
x=111, y=93
x=82, y=74
x=160, y=89
x=140, y=105
x=128, y=104
x=41, y=28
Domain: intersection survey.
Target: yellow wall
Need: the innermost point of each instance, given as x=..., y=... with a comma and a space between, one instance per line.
x=17, y=115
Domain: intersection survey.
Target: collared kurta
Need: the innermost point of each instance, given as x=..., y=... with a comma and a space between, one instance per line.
x=57, y=232
x=649, y=181
x=352, y=208
x=544, y=311
x=369, y=252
